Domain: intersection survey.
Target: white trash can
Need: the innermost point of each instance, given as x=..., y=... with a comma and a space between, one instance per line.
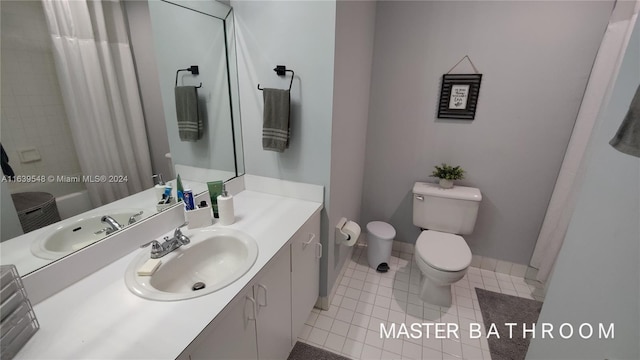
x=380, y=237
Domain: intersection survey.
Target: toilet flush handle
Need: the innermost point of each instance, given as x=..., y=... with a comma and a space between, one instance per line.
x=420, y=197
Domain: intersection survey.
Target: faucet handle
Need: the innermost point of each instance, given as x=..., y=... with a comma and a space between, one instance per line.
x=156, y=247
x=179, y=236
x=178, y=232
x=101, y=231
x=132, y=219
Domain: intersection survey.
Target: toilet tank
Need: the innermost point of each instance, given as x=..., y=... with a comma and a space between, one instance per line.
x=448, y=210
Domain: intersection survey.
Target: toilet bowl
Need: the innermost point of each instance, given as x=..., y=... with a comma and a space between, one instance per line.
x=442, y=255
x=443, y=259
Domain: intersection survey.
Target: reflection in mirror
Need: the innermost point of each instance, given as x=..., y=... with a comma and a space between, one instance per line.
x=195, y=84
x=83, y=126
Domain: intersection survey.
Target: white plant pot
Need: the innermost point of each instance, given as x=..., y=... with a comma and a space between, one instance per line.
x=446, y=184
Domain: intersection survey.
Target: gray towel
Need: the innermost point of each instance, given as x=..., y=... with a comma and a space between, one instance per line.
x=275, y=126
x=627, y=139
x=190, y=125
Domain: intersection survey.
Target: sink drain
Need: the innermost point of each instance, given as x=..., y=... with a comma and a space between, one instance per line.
x=198, y=286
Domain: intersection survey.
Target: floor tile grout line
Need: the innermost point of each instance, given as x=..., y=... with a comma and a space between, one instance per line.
x=406, y=272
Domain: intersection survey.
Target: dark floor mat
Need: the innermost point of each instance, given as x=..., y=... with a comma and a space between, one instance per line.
x=302, y=351
x=499, y=309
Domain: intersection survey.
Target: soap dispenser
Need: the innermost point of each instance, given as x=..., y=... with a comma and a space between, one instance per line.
x=159, y=187
x=225, y=207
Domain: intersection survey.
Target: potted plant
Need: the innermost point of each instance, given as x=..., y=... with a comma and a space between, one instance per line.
x=447, y=173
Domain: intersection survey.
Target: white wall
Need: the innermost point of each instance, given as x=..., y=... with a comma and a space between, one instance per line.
x=535, y=58
x=300, y=35
x=11, y=226
x=595, y=279
x=33, y=113
x=355, y=23
x=176, y=47
x=141, y=36
x=329, y=45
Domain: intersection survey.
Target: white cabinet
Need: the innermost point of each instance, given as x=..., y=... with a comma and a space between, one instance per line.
x=256, y=324
x=232, y=335
x=306, y=251
x=264, y=320
x=273, y=297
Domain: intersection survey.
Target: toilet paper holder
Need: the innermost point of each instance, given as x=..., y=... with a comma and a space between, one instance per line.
x=343, y=237
x=340, y=225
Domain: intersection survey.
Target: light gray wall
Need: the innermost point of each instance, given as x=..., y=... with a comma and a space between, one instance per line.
x=535, y=58
x=595, y=279
x=355, y=23
x=147, y=71
x=176, y=47
x=300, y=35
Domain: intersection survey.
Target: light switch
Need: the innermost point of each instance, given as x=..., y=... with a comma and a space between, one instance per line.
x=29, y=154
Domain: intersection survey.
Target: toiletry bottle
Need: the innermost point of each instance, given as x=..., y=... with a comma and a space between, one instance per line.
x=179, y=189
x=159, y=187
x=225, y=207
x=215, y=189
x=188, y=200
x=166, y=196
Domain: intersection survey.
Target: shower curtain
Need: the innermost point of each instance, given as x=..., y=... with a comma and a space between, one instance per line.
x=603, y=75
x=100, y=91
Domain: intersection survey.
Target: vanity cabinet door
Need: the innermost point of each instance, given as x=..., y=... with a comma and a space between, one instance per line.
x=273, y=297
x=232, y=335
x=306, y=251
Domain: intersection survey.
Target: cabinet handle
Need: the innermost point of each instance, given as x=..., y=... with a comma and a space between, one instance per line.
x=311, y=237
x=253, y=302
x=260, y=286
x=319, y=252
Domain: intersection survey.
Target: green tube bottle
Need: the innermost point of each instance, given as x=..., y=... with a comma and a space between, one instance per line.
x=215, y=189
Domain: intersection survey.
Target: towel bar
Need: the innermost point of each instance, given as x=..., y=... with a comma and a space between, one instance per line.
x=281, y=70
x=193, y=69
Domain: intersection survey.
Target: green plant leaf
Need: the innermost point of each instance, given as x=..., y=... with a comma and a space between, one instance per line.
x=448, y=172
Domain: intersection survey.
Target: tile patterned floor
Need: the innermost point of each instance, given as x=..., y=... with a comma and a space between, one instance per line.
x=364, y=299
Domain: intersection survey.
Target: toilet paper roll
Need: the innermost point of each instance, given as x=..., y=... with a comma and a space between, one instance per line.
x=351, y=232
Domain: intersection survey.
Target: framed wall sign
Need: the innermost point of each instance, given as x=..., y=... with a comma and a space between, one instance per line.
x=459, y=96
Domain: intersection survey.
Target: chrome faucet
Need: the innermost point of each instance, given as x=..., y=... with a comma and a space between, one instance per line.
x=159, y=250
x=113, y=224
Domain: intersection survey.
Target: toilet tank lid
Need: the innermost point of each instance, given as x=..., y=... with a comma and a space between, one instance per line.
x=456, y=192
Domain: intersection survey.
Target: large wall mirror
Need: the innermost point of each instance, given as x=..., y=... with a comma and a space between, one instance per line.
x=89, y=115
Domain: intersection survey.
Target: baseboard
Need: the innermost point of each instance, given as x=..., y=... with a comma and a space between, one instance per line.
x=323, y=302
x=484, y=262
x=504, y=267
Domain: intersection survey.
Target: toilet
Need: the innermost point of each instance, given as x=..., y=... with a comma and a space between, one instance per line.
x=442, y=255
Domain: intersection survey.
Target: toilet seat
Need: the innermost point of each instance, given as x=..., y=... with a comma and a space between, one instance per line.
x=443, y=251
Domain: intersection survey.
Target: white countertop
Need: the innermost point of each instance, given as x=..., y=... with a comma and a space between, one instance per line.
x=98, y=317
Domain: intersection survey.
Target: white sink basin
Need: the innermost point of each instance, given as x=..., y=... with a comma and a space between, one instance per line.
x=216, y=257
x=68, y=236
